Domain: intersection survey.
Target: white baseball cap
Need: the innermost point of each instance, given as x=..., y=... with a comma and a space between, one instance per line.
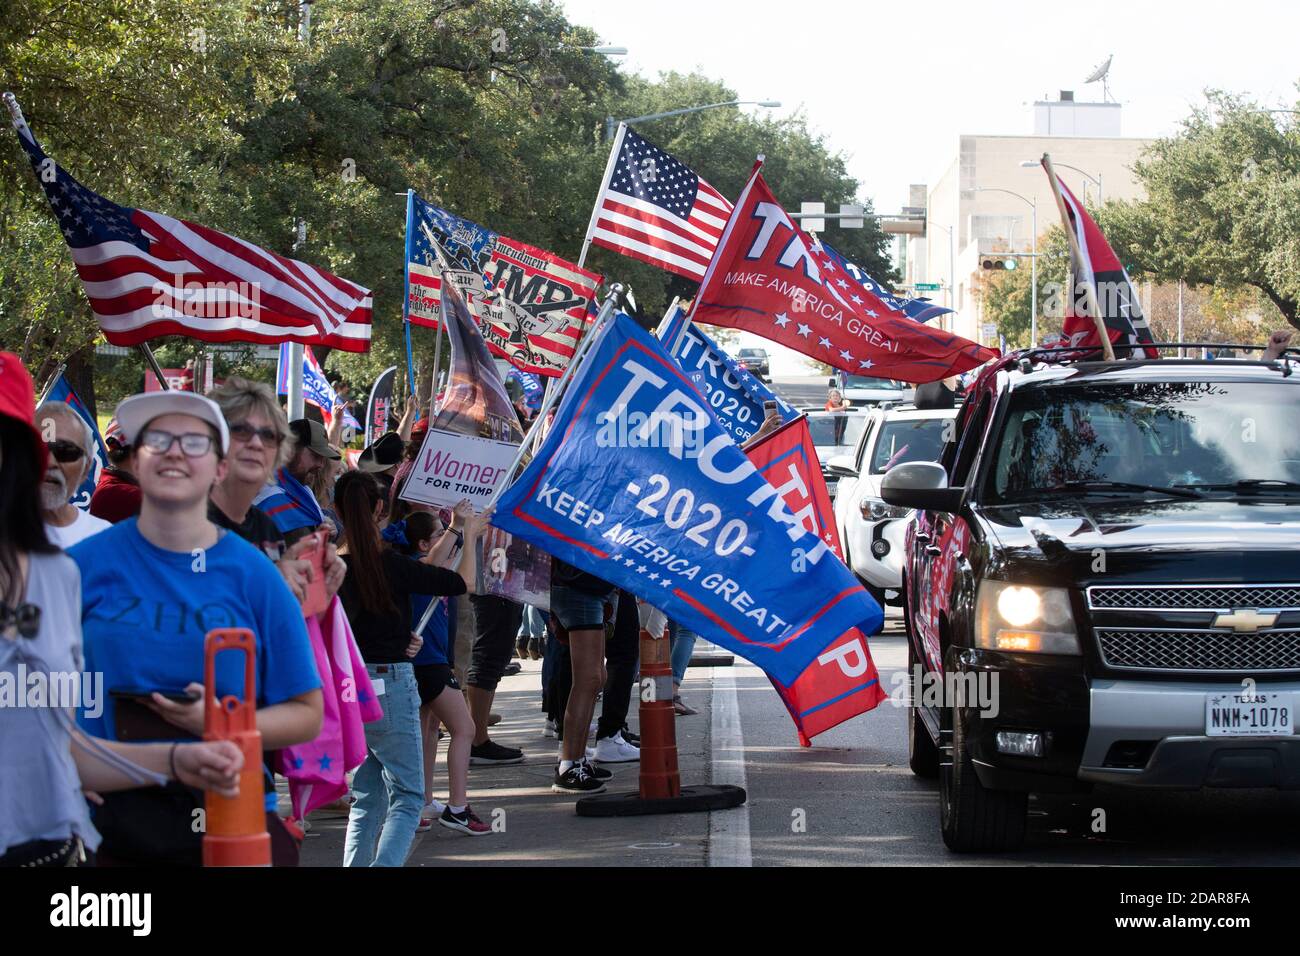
x=136, y=412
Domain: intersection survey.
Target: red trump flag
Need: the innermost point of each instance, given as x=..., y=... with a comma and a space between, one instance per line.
x=842, y=681
x=766, y=278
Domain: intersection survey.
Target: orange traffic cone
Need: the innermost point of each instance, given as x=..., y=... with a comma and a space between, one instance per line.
x=235, y=834
x=661, y=789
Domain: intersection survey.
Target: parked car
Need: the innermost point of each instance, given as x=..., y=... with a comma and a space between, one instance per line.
x=755, y=361
x=1114, y=547
x=864, y=390
x=871, y=531
x=835, y=434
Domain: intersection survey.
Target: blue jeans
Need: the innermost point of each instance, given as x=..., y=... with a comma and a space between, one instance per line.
x=389, y=786
x=683, y=646
x=531, y=625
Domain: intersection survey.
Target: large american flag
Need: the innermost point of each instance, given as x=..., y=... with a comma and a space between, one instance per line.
x=148, y=275
x=654, y=208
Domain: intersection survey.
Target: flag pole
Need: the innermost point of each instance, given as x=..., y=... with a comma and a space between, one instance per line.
x=153, y=364
x=49, y=383
x=406, y=290
x=1097, y=320
x=614, y=150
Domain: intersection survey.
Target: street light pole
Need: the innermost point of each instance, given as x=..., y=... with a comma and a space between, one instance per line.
x=611, y=123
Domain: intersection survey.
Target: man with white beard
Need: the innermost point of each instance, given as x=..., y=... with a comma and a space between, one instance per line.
x=70, y=443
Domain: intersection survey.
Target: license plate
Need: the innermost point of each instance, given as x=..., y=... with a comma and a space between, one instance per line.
x=1237, y=715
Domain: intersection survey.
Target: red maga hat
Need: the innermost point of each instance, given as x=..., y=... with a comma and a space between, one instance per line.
x=17, y=401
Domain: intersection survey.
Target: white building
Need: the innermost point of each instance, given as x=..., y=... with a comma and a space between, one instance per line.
x=971, y=210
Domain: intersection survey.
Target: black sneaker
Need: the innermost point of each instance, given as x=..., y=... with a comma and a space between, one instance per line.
x=600, y=773
x=577, y=779
x=511, y=669
x=492, y=752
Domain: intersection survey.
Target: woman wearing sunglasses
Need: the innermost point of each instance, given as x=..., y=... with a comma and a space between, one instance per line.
x=45, y=761
x=259, y=445
x=69, y=441
x=152, y=588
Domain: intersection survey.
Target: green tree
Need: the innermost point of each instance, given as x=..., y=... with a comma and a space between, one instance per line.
x=1222, y=206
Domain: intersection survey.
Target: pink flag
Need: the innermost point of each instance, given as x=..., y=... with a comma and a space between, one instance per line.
x=316, y=770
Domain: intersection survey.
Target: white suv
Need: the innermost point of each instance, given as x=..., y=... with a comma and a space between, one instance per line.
x=871, y=531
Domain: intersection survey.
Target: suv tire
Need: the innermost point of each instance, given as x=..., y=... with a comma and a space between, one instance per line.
x=973, y=818
x=922, y=753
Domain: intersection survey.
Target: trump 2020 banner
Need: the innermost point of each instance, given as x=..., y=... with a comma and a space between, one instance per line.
x=733, y=395
x=531, y=305
x=638, y=484
x=842, y=681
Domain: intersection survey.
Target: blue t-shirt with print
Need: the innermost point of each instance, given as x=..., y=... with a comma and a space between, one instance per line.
x=145, y=612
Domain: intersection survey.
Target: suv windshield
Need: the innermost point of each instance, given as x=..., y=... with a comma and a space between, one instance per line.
x=917, y=439
x=1158, y=434
x=751, y=353
x=862, y=381
x=835, y=428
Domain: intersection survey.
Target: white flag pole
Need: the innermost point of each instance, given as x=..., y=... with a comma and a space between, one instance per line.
x=614, y=150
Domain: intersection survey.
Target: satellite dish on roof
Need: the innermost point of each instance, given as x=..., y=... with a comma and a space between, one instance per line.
x=1100, y=74
x=1101, y=71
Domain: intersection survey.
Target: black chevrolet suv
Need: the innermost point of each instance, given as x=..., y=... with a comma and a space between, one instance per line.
x=1102, y=585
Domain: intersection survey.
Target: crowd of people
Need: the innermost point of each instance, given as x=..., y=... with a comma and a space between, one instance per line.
x=215, y=511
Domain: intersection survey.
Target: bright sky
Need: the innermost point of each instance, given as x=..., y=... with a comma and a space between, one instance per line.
x=892, y=85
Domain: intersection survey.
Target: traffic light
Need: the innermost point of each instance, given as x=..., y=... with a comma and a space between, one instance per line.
x=998, y=262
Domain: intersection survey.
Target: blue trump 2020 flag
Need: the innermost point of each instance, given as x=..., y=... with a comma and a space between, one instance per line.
x=733, y=394
x=639, y=485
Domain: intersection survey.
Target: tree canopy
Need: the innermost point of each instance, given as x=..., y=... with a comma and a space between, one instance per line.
x=216, y=111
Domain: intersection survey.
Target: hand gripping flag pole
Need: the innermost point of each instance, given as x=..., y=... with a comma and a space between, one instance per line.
x=660, y=787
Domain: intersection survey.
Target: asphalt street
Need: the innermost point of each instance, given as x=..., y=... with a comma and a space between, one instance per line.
x=848, y=800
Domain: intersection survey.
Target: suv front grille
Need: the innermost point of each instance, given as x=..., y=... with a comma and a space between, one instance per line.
x=1200, y=650
x=1193, y=597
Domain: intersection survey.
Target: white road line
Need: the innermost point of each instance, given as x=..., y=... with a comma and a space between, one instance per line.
x=728, y=829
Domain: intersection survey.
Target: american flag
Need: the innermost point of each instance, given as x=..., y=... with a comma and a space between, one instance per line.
x=654, y=208
x=147, y=274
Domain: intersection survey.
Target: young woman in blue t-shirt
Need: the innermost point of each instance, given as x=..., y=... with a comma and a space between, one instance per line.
x=152, y=588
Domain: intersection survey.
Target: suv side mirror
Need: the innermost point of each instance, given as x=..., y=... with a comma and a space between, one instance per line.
x=922, y=485
x=841, y=466
x=831, y=383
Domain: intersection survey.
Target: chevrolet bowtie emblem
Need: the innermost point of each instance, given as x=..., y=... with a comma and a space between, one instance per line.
x=1245, y=619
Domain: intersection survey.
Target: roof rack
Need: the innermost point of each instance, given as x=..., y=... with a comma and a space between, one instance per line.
x=1024, y=358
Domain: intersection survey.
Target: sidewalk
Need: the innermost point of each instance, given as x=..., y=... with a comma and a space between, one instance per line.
x=541, y=827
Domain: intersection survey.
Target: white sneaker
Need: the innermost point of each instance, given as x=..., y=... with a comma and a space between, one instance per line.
x=550, y=730
x=616, y=750
x=431, y=812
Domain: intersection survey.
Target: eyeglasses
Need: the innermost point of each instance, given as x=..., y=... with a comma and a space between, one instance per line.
x=193, y=444
x=245, y=432
x=64, y=451
x=25, y=617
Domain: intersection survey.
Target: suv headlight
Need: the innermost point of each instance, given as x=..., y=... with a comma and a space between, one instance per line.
x=873, y=509
x=1022, y=617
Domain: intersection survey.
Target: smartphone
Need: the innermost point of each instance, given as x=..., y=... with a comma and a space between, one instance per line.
x=138, y=693
x=134, y=722
x=316, y=601
x=769, y=407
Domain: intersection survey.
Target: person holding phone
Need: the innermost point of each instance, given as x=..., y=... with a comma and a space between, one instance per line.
x=376, y=594
x=46, y=761
x=152, y=588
